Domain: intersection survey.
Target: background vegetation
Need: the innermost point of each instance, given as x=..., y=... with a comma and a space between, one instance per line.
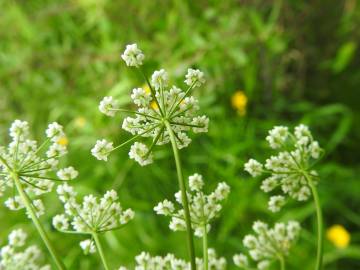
x=296, y=61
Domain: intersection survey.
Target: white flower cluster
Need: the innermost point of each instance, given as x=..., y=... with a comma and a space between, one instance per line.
x=290, y=169
x=158, y=108
x=203, y=208
x=268, y=244
x=145, y=261
x=12, y=258
x=133, y=56
x=34, y=166
x=92, y=215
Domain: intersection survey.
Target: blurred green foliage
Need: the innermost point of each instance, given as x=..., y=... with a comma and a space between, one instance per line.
x=297, y=61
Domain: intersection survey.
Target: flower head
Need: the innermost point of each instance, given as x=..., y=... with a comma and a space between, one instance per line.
x=35, y=167
x=88, y=246
x=163, y=112
x=338, y=235
x=290, y=169
x=13, y=257
x=108, y=106
x=102, y=149
x=239, y=102
x=93, y=214
x=268, y=244
x=145, y=261
x=133, y=56
x=203, y=208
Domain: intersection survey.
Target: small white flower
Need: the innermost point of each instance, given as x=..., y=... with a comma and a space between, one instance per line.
x=60, y=222
x=203, y=208
x=276, y=203
x=202, y=121
x=19, y=130
x=263, y=265
x=194, y=77
x=277, y=136
x=14, y=203
x=56, y=150
x=68, y=173
x=241, y=260
x=102, y=149
x=108, y=106
x=39, y=208
x=140, y=97
x=65, y=192
x=164, y=208
x=126, y=216
x=54, y=132
x=17, y=238
x=159, y=79
x=269, y=184
x=133, y=56
x=315, y=150
x=267, y=244
x=196, y=182
x=88, y=246
x=140, y=153
x=253, y=167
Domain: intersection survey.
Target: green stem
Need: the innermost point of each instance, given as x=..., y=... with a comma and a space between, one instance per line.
x=205, y=249
x=27, y=202
x=190, y=240
x=100, y=250
x=320, y=240
x=282, y=262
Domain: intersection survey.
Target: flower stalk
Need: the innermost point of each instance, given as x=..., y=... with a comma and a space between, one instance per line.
x=100, y=249
x=24, y=197
x=320, y=226
x=205, y=249
x=189, y=231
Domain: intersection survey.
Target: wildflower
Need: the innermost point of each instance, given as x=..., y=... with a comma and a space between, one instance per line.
x=133, y=56
x=253, y=167
x=203, y=208
x=11, y=257
x=63, y=141
x=338, y=235
x=108, y=106
x=290, y=169
x=17, y=238
x=163, y=111
x=92, y=215
x=145, y=261
x=54, y=132
x=239, y=102
x=268, y=244
x=140, y=153
x=88, y=246
x=34, y=167
x=159, y=79
x=102, y=149
x=68, y=173
x=194, y=77
x=276, y=202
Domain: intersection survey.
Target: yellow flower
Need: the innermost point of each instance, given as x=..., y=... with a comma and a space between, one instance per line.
x=154, y=105
x=338, y=235
x=63, y=141
x=239, y=101
x=80, y=121
x=146, y=88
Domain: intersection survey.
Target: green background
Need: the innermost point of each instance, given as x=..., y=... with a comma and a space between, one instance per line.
x=297, y=61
